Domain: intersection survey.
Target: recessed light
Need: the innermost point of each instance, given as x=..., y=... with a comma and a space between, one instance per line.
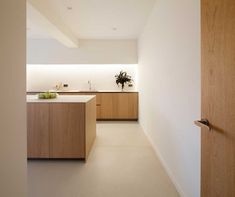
x=69, y=7
x=114, y=29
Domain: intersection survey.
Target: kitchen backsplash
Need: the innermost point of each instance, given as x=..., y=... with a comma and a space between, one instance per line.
x=102, y=76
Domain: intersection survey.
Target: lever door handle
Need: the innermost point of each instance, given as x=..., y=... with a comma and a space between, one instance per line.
x=203, y=123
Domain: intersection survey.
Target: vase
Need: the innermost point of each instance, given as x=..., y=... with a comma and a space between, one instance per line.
x=123, y=87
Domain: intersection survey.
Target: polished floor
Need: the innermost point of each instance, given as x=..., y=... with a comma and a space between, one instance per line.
x=121, y=164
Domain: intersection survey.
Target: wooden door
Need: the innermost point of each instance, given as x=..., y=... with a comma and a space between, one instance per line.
x=218, y=98
x=98, y=103
x=98, y=100
x=67, y=130
x=127, y=106
x=38, y=130
x=107, y=103
x=119, y=106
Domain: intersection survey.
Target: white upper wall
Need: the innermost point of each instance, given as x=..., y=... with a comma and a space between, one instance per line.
x=45, y=77
x=49, y=51
x=169, y=86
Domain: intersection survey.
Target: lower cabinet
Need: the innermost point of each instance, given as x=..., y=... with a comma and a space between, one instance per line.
x=38, y=130
x=120, y=106
x=61, y=130
x=114, y=105
x=66, y=126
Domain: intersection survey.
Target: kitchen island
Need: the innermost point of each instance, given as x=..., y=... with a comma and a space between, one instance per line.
x=61, y=128
x=110, y=104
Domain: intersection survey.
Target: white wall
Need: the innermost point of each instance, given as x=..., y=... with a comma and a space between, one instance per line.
x=45, y=77
x=49, y=51
x=12, y=99
x=169, y=85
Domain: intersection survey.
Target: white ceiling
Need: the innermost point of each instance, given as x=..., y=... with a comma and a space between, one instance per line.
x=35, y=31
x=97, y=19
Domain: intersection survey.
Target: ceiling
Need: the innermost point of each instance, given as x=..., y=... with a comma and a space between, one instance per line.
x=35, y=31
x=95, y=19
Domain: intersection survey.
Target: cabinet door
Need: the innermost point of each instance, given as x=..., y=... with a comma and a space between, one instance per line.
x=126, y=106
x=107, y=106
x=38, y=130
x=67, y=130
x=98, y=105
x=119, y=106
x=98, y=100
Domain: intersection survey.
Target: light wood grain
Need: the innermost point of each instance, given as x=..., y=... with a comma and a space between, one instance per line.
x=107, y=106
x=38, y=130
x=127, y=106
x=67, y=130
x=98, y=100
x=90, y=133
x=119, y=106
x=218, y=98
x=113, y=105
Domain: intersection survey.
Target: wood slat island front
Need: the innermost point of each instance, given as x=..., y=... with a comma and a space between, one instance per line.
x=62, y=128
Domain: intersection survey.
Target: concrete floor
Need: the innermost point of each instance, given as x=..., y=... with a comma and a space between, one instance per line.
x=122, y=163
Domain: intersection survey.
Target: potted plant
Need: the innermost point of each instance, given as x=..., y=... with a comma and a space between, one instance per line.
x=123, y=78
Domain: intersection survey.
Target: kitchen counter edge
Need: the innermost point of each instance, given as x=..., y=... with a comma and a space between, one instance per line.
x=61, y=99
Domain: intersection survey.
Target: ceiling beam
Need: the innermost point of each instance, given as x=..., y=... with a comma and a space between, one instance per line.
x=40, y=15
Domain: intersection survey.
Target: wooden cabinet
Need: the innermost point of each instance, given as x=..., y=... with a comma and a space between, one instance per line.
x=98, y=99
x=61, y=130
x=66, y=126
x=107, y=106
x=127, y=106
x=38, y=130
x=113, y=105
x=119, y=106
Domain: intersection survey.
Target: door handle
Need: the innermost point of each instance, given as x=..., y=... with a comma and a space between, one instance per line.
x=203, y=123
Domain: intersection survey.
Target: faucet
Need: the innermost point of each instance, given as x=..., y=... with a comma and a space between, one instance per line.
x=89, y=82
x=59, y=86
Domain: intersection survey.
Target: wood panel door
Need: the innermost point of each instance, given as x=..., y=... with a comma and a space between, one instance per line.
x=218, y=98
x=38, y=130
x=67, y=130
x=107, y=103
x=118, y=106
x=127, y=106
x=98, y=103
x=98, y=100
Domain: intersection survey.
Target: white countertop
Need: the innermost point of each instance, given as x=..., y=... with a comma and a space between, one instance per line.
x=83, y=91
x=60, y=99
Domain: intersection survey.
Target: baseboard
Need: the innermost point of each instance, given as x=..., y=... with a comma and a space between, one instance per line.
x=165, y=166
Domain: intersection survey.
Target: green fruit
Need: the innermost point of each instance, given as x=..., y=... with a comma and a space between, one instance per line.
x=47, y=95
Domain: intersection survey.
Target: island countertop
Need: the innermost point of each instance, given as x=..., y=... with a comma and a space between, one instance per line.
x=84, y=91
x=61, y=99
